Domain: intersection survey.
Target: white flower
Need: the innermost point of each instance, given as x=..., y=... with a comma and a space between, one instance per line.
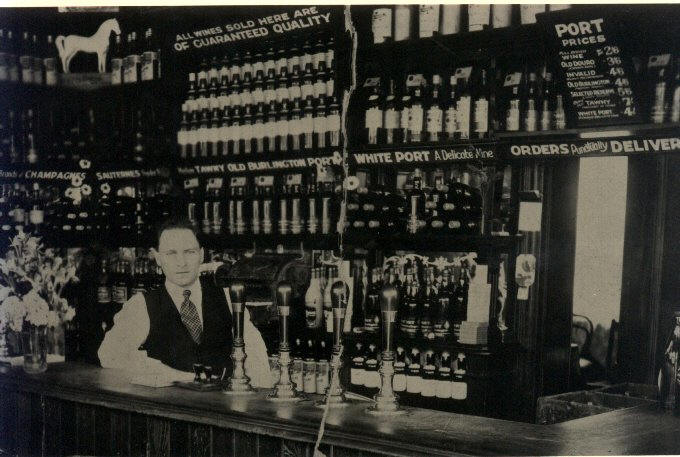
x=84, y=164
x=33, y=244
x=105, y=188
x=37, y=309
x=76, y=181
x=4, y=293
x=53, y=319
x=13, y=312
x=69, y=314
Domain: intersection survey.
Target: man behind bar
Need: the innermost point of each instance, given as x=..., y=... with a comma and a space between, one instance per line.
x=164, y=332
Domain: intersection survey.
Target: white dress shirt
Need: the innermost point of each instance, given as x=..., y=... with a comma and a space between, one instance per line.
x=131, y=328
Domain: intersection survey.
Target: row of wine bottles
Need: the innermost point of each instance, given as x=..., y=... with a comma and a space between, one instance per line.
x=29, y=59
x=290, y=204
x=426, y=373
x=34, y=135
x=400, y=22
x=44, y=209
x=120, y=279
x=440, y=204
x=136, y=59
x=275, y=127
x=434, y=112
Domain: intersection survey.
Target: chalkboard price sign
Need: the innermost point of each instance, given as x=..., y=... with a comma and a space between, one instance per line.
x=595, y=71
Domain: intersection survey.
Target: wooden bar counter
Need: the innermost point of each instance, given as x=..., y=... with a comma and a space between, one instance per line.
x=84, y=410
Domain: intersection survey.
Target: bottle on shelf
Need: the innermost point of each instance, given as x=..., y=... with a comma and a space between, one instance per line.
x=416, y=118
x=443, y=386
x=463, y=110
x=374, y=113
x=358, y=365
x=371, y=375
x=399, y=380
x=459, y=385
x=547, y=103
x=314, y=302
x=372, y=305
x=530, y=120
x=414, y=380
x=434, y=118
x=480, y=110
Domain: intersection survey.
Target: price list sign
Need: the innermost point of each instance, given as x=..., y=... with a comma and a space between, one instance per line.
x=595, y=72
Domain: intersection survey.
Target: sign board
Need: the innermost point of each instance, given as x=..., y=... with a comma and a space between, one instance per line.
x=267, y=25
x=591, y=147
x=595, y=72
x=432, y=156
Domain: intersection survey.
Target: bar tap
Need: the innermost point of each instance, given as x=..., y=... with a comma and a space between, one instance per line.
x=284, y=390
x=385, y=400
x=239, y=382
x=335, y=394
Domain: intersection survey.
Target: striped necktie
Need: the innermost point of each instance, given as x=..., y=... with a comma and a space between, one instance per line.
x=190, y=318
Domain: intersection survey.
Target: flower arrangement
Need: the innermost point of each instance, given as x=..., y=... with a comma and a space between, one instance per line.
x=32, y=279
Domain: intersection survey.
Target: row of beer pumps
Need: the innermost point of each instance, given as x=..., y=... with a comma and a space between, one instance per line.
x=284, y=390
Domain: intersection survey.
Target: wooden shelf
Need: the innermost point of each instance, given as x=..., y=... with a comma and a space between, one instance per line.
x=432, y=242
x=226, y=241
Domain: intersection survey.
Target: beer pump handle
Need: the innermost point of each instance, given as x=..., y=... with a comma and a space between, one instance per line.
x=237, y=294
x=284, y=293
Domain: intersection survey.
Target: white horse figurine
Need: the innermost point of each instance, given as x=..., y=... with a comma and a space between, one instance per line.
x=69, y=46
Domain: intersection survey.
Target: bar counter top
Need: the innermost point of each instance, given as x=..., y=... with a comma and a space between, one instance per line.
x=641, y=430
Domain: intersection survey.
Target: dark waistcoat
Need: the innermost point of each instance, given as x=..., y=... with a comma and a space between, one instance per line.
x=169, y=340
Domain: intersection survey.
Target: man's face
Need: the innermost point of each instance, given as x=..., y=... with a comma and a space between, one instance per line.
x=180, y=256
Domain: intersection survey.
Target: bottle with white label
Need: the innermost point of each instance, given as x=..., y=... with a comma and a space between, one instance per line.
x=416, y=118
x=459, y=387
x=435, y=111
x=501, y=15
x=357, y=370
x=429, y=383
x=450, y=113
x=320, y=124
x=463, y=110
x=414, y=380
x=132, y=64
x=371, y=376
x=282, y=126
x=547, y=102
x=295, y=125
x=428, y=20
x=399, y=380
x=659, y=102
x=390, y=115
x=307, y=124
x=529, y=11
x=443, y=387
x=402, y=22
x=404, y=115
x=512, y=115
x=478, y=17
x=333, y=123
x=381, y=24
x=560, y=119
x=675, y=94
x=450, y=19
x=374, y=115
x=327, y=303
x=531, y=105
x=480, y=114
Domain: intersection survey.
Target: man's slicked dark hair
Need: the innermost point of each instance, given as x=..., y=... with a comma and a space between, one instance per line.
x=176, y=223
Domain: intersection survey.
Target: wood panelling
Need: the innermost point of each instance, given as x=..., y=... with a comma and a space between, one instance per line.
x=102, y=431
x=119, y=432
x=200, y=441
x=179, y=438
x=69, y=429
x=223, y=442
x=24, y=439
x=138, y=437
x=8, y=417
x=158, y=432
x=245, y=443
x=53, y=426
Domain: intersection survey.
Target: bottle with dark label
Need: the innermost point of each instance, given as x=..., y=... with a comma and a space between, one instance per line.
x=429, y=304
x=30, y=150
x=119, y=290
x=307, y=124
x=37, y=62
x=409, y=318
x=104, y=285
x=295, y=125
x=443, y=320
x=372, y=306
x=460, y=299
x=319, y=124
x=314, y=301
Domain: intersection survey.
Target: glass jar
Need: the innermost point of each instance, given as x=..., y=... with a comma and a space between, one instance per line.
x=34, y=347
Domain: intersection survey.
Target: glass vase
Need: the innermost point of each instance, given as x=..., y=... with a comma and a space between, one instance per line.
x=34, y=345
